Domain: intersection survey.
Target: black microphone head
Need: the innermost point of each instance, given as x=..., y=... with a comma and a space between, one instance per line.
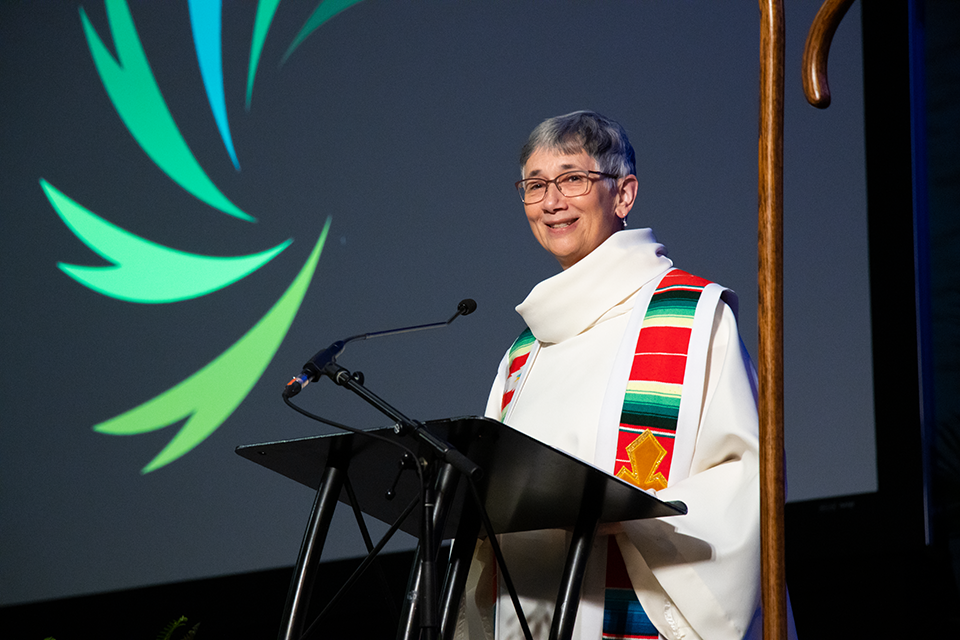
x=467, y=306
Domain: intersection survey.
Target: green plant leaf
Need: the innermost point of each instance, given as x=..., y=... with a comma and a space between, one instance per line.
x=172, y=626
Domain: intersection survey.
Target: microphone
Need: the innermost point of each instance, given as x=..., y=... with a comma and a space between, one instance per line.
x=465, y=308
x=314, y=367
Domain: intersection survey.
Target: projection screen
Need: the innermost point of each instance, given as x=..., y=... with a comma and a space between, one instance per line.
x=198, y=196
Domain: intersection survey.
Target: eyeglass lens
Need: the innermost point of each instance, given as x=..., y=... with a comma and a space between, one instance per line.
x=573, y=183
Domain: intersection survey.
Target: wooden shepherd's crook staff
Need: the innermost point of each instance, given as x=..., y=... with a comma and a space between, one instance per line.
x=817, y=49
x=770, y=280
x=770, y=321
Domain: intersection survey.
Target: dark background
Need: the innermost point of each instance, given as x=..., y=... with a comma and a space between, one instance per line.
x=403, y=122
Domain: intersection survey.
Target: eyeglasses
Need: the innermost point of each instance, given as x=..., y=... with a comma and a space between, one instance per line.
x=571, y=183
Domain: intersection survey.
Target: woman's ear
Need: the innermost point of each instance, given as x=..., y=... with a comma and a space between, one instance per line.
x=626, y=195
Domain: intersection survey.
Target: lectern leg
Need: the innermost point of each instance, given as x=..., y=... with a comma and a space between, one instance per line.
x=568, y=598
x=410, y=617
x=298, y=597
x=461, y=555
x=409, y=629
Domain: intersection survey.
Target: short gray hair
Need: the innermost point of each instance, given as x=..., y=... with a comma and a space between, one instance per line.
x=600, y=137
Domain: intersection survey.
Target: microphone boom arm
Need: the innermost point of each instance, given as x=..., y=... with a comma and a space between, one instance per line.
x=465, y=308
x=315, y=366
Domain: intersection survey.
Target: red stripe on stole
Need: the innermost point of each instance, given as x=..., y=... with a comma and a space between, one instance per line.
x=518, y=362
x=507, y=397
x=658, y=367
x=678, y=276
x=663, y=340
x=624, y=438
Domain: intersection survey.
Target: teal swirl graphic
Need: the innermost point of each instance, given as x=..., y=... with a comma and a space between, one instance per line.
x=205, y=22
x=144, y=272
x=132, y=89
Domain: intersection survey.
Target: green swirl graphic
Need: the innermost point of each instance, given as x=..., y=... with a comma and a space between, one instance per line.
x=266, y=9
x=324, y=12
x=137, y=98
x=261, y=25
x=144, y=271
x=208, y=397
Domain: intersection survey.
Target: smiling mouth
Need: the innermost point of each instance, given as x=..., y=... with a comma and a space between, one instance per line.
x=561, y=225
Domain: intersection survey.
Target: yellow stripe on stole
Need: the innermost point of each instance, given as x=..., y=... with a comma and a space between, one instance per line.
x=665, y=389
x=682, y=322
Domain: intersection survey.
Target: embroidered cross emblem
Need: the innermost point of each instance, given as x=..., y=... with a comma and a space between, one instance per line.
x=645, y=455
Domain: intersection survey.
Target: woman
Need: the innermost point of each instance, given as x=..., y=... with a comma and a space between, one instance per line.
x=671, y=408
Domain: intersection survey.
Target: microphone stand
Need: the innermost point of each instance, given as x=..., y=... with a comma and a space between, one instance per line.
x=428, y=595
x=325, y=363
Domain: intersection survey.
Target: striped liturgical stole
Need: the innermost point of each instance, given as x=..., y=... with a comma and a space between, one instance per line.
x=648, y=429
x=651, y=404
x=519, y=353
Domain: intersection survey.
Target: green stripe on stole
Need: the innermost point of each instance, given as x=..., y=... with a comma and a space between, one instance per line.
x=522, y=344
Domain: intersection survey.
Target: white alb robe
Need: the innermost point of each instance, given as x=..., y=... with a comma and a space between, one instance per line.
x=695, y=575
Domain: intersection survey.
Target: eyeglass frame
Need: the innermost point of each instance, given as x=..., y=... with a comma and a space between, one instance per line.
x=555, y=182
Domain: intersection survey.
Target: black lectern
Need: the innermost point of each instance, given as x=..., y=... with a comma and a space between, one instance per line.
x=526, y=485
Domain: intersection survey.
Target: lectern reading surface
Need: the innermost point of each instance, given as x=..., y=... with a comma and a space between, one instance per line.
x=527, y=485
